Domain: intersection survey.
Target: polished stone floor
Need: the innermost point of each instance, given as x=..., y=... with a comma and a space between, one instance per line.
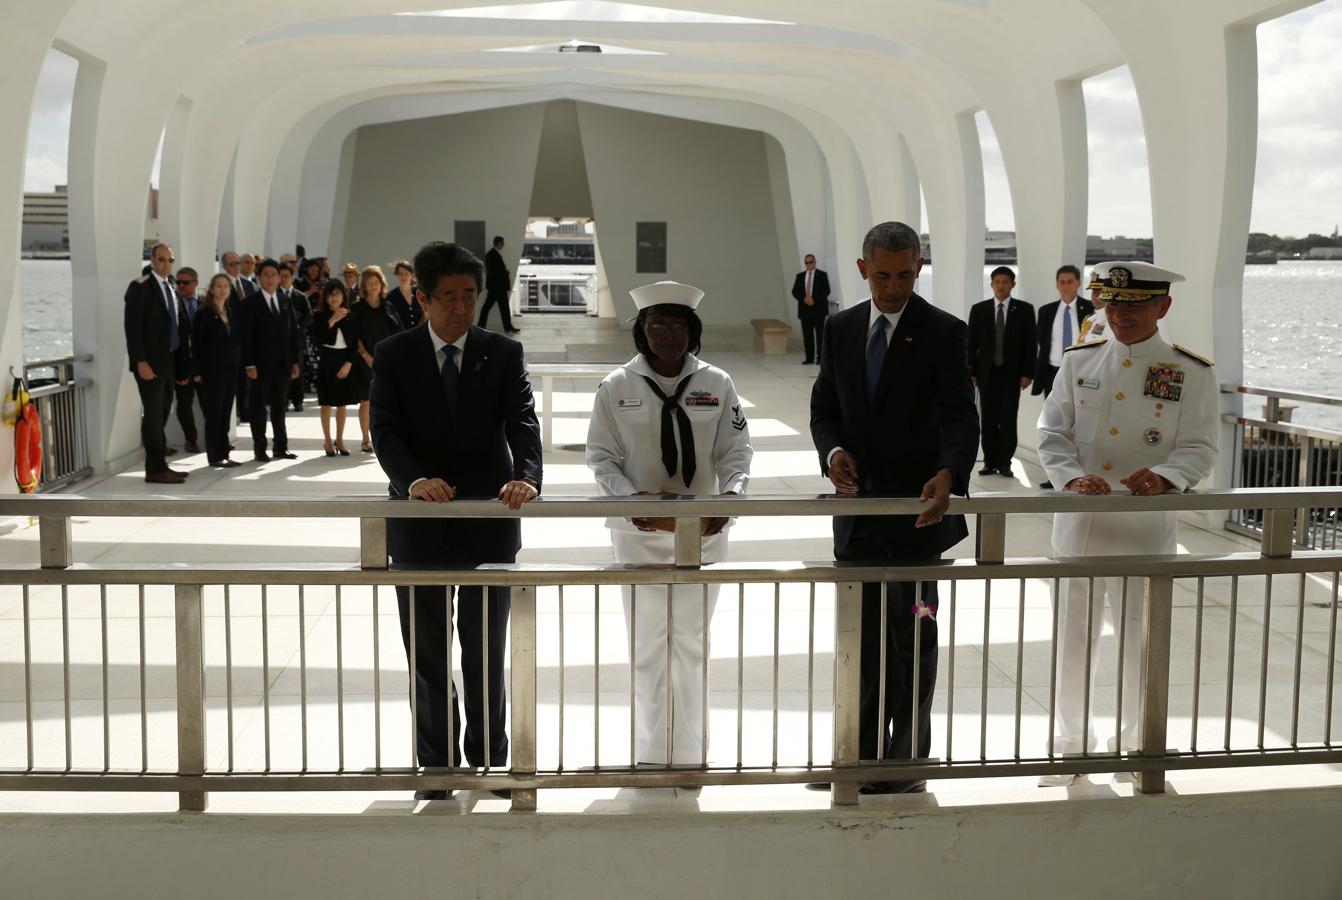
x=1000, y=653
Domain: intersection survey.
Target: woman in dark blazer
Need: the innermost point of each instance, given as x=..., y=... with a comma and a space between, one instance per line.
x=374, y=320
x=216, y=350
x=332, y=332
x=402, y=297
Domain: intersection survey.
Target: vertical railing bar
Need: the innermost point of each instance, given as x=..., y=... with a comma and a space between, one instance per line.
x=670, y=694
x=265, y=671
x=1122, y=648
x=740, y=672
x=340, y=685
x=144, y=693
x=1230, y=657
x=561, y=678
x=633, y=642
x=107, y=717
x=950, y=683
x=596, y=676
x=228, y=669
x=1020, y=660
x=28, y=676
x=377, y=688
x=1262, y=678
x=452, y=753
x=412, y=615
x=65, y=673
x=880, y=683
x=1053, y=667
x=1332, y=659
x=703, y=734
x=484, y=675
x=916, y=707
x=810, y=681
x=1197, y=664
x=778, y=592
x=303, y=674
x=1085, y=702
x=522, y=657
x=983, y=676
x=1299, y=650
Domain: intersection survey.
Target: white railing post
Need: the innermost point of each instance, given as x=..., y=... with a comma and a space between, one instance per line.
x=847, y=687
x=523, y=645
x=1156, y=618
x=54, y=542
x=190, y=692
x=372, y=543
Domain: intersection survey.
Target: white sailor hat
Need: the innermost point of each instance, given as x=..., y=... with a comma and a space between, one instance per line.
x=666, y=292
x=1132, y=281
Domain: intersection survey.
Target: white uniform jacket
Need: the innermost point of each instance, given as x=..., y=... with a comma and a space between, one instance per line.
x=1114, y=409
x=624, y=439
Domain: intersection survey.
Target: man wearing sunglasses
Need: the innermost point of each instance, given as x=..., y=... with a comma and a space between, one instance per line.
x=156, y=345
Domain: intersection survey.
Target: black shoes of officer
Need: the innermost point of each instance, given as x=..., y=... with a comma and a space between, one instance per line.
x=433, y=795
x=878, y=787
x=988, y=470
x=285, y=454
x=165, y=477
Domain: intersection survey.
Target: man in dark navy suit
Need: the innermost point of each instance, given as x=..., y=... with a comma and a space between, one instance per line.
x=453, y=416
x=892, y=412
x=811, y=291
x=1001, y=358
x=242, y=289
x=270, y=355
x=156, y=342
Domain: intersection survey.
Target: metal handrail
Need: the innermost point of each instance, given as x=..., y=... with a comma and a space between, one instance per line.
x=58, y=361
x=379, y=506
x=48, y=390
x=1322, y=399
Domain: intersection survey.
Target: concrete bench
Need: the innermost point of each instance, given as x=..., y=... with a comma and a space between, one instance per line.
x=771, y=335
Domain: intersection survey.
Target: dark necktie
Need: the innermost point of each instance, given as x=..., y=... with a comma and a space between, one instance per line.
x=671, y=406
x=999, y=351
x=450, y=376
x=876, y=348
x=175, y=336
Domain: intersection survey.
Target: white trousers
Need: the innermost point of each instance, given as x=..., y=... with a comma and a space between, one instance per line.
x=1071, y=735
x=665, y=694
x=1108, y=534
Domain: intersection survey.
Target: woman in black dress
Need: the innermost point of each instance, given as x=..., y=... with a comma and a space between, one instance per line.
x=373, y=321
x=402, y=297
x=332, y=331
x=216, y=350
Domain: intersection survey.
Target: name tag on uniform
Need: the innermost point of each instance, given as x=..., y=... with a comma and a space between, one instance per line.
x=1088, y=384
x=701, y=398
x=1164, y=382
x=629, y=403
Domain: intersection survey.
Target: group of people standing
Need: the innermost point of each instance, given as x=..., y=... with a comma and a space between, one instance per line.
x=892, y=412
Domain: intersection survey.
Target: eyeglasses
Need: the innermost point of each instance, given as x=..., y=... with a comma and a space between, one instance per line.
x=668, y=327
x=186, y=281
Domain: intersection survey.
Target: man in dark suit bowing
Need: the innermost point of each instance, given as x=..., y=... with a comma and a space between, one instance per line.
x=156, y=342
x=1001, y=358
x=892, y=412
x=270, y=357
x=453, y=416
x=811, y=291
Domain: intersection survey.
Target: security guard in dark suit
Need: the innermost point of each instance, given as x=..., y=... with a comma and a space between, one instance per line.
x=1001, y=357
x=156, y=342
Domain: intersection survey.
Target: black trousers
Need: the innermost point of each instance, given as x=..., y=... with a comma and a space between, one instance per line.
x=296, y=390
x=1046, y=383
x=436, y=695
x=186, y=411
x=999, y=399
x=244, y=390
x=270, y=391
x=499, y=299
x=895, y=732
x=156, y=400
x=216, y=404
x=812, y=330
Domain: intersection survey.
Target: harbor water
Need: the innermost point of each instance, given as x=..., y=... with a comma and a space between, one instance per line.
x=1292, y=326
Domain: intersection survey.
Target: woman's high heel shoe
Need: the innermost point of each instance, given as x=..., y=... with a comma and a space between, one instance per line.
x=340, y=449
x=330, y=451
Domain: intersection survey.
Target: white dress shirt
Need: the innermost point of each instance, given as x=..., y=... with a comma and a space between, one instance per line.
x=1055, y=344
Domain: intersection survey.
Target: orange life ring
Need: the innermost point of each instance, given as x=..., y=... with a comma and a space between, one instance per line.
x=28, y=448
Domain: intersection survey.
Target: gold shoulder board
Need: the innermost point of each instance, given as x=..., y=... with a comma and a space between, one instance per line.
x=1193, y=356
x=1088, y=344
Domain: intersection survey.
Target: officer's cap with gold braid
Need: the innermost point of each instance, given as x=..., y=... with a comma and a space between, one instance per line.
x=1097, y=276
x=1133, y=281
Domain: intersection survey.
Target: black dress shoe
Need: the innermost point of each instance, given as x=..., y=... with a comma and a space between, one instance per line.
x=505, y=793
x=261, y=457
x=433, y=795
x=341, y=451
x=988, y=470
x=1046, y=485
x=330, y=453
x=1005, y=472
x=818, y=786
x=514, y=331
x=165, y=478
x=285, y=454
x=225, y=464
x=893, y=787
x=807, y=362
x=180, y=472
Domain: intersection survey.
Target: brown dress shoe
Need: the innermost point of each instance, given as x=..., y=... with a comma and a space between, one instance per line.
x=164, y=478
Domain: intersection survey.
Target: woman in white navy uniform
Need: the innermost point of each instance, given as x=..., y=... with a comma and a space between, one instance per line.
x=666, y=422
x=1131, y=413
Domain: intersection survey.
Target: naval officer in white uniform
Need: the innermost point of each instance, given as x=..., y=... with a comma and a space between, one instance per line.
x=666, y=422
x=1093, y=326
x=1129, y=413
